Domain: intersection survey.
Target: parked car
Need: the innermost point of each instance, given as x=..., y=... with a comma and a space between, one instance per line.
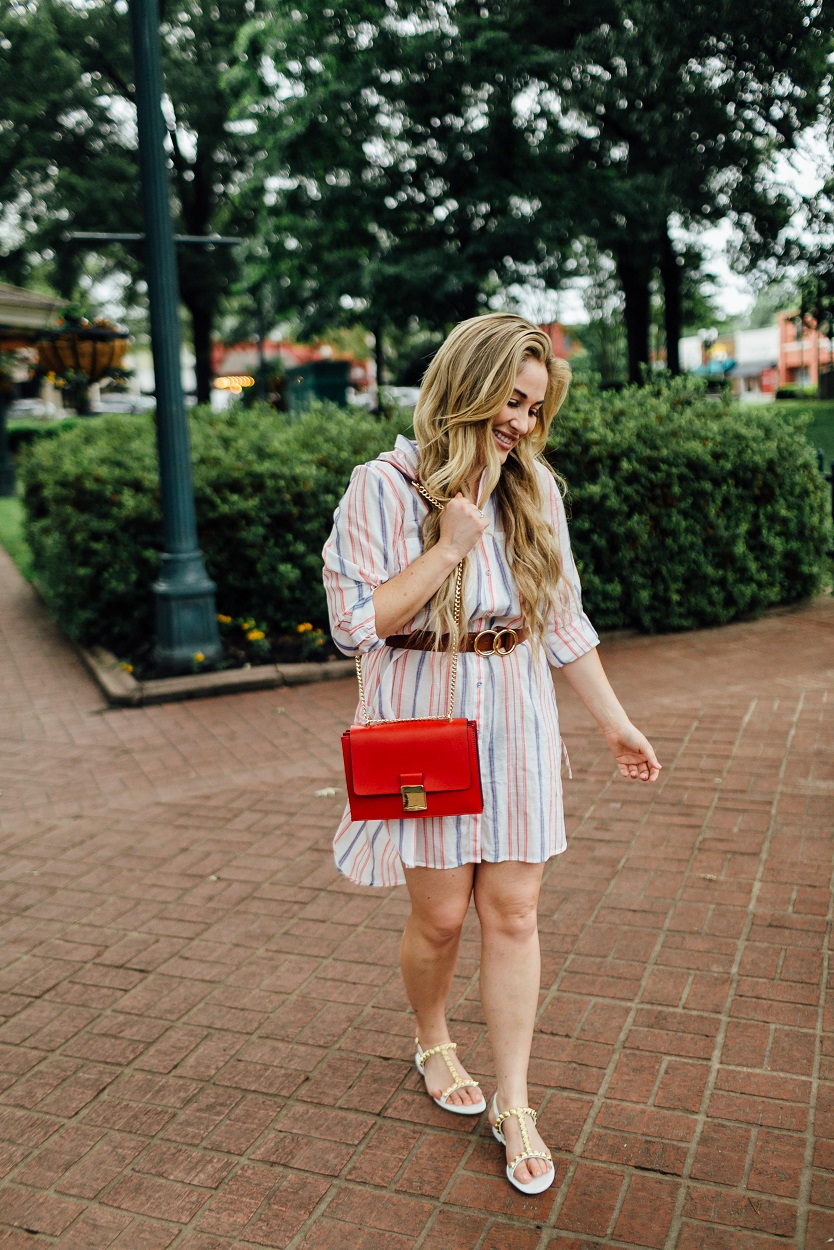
x=26, y=409
x=122, y=402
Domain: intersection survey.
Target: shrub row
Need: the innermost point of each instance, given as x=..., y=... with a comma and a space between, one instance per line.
x=265, y=486
x=686, y=511
x=796, y=392
x=22, y=433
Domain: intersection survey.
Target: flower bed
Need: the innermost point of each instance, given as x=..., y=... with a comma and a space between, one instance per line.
x=245, y=644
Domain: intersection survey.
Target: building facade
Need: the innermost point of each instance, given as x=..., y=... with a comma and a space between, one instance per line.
x=805, y=355
x=757, y=363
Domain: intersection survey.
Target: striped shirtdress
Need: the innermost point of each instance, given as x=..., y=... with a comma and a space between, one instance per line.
x=376, y=534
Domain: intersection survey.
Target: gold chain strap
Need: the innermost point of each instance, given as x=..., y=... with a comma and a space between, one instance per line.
x=365, y=713
x=453, y=671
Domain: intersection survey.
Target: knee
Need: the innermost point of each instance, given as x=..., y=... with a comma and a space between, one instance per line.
x=514, y=920
x=438, y=928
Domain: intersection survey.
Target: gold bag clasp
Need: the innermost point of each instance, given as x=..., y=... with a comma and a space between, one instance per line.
x=414, y=798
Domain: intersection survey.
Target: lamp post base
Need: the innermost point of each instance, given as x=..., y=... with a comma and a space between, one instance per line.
x=186, y=615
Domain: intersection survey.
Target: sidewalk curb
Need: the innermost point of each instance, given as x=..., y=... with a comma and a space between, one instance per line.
x=121, y=689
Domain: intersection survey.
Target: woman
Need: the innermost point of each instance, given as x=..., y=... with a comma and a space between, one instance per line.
x=481, y=422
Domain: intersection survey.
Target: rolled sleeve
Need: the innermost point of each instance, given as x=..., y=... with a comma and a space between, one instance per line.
x=570, y=633
x=356, y=560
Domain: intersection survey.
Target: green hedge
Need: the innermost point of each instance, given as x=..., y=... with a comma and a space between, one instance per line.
x=22, y=433
x=686, y=511
x=796, y=392
x=266, y=487
x=689, y=511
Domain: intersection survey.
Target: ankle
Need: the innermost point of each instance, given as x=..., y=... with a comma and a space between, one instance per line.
x=429, y=1035
x=509, y=1095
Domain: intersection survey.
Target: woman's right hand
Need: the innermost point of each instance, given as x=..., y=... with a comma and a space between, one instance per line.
x=461, y=526
x=399, y=599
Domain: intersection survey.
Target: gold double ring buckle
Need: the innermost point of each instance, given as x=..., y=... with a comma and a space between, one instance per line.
x=497, y=645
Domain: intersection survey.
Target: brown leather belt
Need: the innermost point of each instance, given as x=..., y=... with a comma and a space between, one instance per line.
x=487, y=642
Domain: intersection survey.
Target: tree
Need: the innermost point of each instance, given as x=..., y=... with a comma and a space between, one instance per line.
x=39, y=81
x=404, y=164
x=678, y=111
x=770, y=300
x=427, y=154
x=816, y=308
x=89, y=161
x=602, y=295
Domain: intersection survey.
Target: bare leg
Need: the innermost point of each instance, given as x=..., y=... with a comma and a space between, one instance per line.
x=506, y=896
x=428, y=953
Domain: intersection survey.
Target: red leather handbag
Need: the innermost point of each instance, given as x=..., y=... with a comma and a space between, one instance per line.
x=401, y=769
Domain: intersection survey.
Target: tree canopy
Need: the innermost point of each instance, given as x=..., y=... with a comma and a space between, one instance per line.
x=428, y=153
x=669, y=117
x=78, y=167
x=398, y=161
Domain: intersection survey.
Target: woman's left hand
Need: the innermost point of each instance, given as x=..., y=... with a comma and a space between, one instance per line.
x=634, y=753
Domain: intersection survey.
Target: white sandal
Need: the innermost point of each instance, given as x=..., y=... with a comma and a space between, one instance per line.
x=472, y=1108
x=539, y=1183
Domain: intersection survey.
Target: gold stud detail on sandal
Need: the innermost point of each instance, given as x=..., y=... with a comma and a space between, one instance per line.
x=539, y=1183
x=473, y=1108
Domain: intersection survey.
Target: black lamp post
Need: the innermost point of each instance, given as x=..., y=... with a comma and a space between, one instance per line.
x=185, y=595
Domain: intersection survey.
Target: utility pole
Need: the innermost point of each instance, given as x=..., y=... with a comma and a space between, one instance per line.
x=185, y=595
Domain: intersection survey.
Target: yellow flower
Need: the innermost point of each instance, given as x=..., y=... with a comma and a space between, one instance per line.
x=254, y=634
x=128, y=668
x=303, y=628
x=224, y=620
x=199, y=657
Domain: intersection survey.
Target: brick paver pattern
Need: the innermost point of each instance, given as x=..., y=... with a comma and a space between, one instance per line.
x=205, y=1041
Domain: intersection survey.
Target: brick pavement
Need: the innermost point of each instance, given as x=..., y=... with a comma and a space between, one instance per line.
x=205, y=1043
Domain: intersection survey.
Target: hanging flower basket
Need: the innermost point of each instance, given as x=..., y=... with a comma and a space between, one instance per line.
x=92, y=350
x=79, y=352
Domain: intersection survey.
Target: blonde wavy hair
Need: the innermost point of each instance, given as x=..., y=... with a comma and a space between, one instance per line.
x=469, y=381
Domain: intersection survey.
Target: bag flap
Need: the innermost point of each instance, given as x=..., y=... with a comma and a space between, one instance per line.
x=381, y=754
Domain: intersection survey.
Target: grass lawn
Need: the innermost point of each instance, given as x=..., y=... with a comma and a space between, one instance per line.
x=11, y=535
x=821, y=428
